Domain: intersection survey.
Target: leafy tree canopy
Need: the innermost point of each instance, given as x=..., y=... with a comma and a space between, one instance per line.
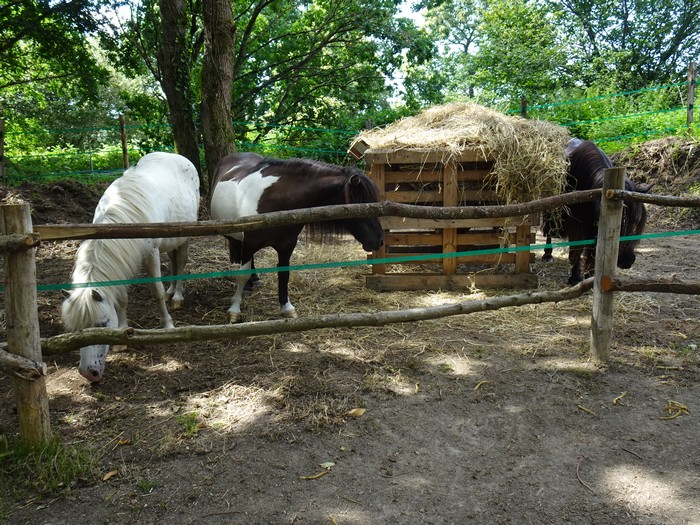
x=497, y=50
x=631, y=44
x=44, y=40
x=296, y=61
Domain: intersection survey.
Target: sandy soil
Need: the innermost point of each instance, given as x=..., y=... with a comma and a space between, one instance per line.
x=496, y=417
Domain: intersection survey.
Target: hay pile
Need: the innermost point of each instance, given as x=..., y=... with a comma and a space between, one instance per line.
x=528, y=154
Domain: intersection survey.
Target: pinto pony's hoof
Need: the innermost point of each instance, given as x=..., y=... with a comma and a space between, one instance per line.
x=289, y=314
x=547, y=258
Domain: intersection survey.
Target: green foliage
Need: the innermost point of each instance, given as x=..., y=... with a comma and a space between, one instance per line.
x=189, y=423
x=310, y=74
x=48, y=469
x=630, y=45
x=317, y=63
x=518, y=52
x=44, y=40
x=619, y=118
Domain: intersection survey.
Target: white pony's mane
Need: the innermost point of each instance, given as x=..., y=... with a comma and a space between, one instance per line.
x=126, y=201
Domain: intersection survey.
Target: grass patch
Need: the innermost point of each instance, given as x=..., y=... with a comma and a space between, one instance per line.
x=35, y=471
x=189, y=423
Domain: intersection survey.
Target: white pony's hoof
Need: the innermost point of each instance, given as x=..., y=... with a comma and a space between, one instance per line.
x=177, y=303
x=235, y=317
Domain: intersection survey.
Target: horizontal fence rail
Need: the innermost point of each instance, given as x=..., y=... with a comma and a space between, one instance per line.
x=55, y=232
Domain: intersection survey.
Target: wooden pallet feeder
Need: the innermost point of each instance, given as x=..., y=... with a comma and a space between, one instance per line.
x=435, y=177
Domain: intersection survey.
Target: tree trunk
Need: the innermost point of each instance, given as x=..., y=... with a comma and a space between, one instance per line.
x=217, y=82
x=175, y=70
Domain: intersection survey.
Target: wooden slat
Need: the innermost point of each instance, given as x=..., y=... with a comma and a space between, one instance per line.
x=477, y=196
x=477, y=237
x=405, y=223
x=433, y=173
x=465, y=197
x=421, y=156
x=489, y=258
x=430, y=174
x=413, y=239
x=415, y=197
x=522, y=259
x=377, y=174
x=475, y=175
x=449, y=235
x=398, y=282
x=434, y=238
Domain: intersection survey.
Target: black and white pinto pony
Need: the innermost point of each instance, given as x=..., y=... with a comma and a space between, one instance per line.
x=245, y=184
x=162, y=187
x=587, y=165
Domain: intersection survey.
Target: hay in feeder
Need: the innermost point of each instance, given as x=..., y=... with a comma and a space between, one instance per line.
x=529, y=160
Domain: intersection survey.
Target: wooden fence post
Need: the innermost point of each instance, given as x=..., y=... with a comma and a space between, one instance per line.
x=22, y=319
x=2, y=153
x=523, y=106
x=607, y=248
x=692, y=75
x=125, y=151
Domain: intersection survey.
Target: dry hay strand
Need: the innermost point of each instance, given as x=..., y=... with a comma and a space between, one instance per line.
x=529, y=161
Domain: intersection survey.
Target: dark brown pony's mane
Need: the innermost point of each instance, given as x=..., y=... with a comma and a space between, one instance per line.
x=357, y=188
x=587, y=171
x=587, y=166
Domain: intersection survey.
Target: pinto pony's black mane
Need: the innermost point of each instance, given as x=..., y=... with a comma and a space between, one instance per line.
x=358, y=188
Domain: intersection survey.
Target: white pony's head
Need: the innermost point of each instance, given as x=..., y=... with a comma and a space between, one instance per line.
x=87, y=308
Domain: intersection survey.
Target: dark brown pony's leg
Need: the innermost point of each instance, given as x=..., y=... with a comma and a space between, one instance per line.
x=589, y=255
x=547, y=231
x=575, y=261
x=254, y=278
x=547, y=256
x=575, y=234
x=284, y=256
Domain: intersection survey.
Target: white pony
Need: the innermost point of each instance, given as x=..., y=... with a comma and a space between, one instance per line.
x=162, y=187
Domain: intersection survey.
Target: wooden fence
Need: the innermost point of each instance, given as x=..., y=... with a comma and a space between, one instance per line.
x=21, y=356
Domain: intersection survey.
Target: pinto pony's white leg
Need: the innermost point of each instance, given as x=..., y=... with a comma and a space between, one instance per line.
x=152, y=262
x=234, y=311
x=178, y=259
x=287, y=310
x=284, y=257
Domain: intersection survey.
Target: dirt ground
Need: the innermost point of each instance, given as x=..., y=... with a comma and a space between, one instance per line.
x=495, y=417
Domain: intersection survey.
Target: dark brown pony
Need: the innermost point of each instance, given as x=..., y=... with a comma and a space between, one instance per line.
x=587, y=165
x=247, y=184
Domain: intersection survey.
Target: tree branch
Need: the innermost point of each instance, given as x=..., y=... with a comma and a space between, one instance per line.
x=66, y=342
